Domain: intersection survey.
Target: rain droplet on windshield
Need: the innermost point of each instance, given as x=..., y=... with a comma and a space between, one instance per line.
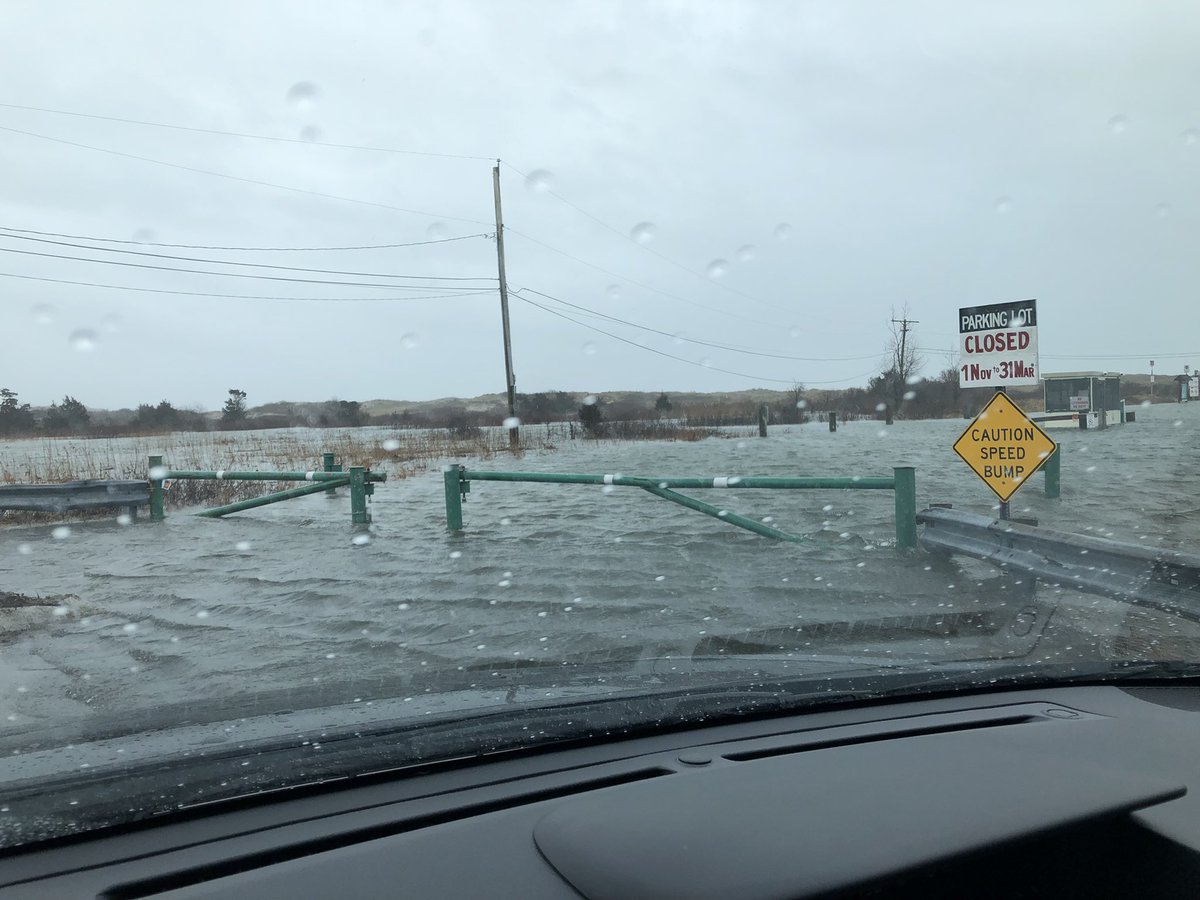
x=643, y=232
x=539, y=181
x=706, y=362
x=589, y=348
x=613, y=291
x=144, y=236
x=1118, y=123
x=242, y=546
x=590, y=400
x=1003, y=205
x=1191, y=137
x=437, y=232
x=83, y=340
x=24, y=549
x=910, y=395
x=124, y=519
x=391, y=445
x=409, y=341
x=43, y=313
x=511, y=422
x=717, y=268
x=61, y=533
x=303, y=94
x=783, y=231
x=361, y=540
x=158, y=473
x=746, y=252
x=111, y=323
x=311, y=133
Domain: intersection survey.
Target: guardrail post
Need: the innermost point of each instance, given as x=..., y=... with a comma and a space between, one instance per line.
x=453, y=479
x=1053, y=470
x=833, y=421
x=906, y=507
x=358, y=496
x=156, y=489
x=328, y=465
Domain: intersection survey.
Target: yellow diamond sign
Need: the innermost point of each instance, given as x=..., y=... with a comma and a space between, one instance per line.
x=1004, y=446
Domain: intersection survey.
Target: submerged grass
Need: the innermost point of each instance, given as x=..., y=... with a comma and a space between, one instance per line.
x=397, y=453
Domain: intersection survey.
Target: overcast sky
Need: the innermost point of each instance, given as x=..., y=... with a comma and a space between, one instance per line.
x=799, y=169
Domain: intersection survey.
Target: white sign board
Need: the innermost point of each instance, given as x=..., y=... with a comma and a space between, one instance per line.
x=997, y=345
x=1079, y=404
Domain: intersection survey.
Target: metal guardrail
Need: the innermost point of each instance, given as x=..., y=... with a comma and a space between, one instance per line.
x=903, y=482
x=70, y=496
x=1163, y=579
x=359, y=479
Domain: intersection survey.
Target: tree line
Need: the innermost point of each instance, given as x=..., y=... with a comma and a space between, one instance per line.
x=904, y=396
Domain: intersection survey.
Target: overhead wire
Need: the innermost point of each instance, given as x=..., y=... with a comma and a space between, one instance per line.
x=683, y=338
x=508, y=229
x=238, y=178
x=649, y=249
x=224, y=262
x=134, y=265
x=241, y=134
x=105, y=240
x=148, y=290
x=682, y=359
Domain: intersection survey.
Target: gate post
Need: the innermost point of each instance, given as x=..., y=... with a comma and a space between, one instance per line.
x=328, y=465
x=156, y=489
x=358, y=496
x=1053, y=471
x=452, y=475
x=906, y=507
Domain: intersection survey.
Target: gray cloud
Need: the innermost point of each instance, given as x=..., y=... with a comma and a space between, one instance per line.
x=943, y=154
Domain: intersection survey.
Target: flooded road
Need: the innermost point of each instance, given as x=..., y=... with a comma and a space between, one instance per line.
x=283, y=598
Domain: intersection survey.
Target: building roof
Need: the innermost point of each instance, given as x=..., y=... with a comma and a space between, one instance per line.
x=1053, y=376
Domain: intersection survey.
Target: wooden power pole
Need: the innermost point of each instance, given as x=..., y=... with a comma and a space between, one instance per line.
x=509, y=379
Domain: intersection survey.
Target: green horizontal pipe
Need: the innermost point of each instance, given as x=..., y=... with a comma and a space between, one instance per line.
x=862, y=484
x=723, y=515
x=269, y=476
x=241, y=505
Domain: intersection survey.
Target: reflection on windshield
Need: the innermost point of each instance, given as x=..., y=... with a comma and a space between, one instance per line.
x=261, y=311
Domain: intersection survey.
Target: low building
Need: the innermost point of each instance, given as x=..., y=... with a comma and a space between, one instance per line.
x=1082, y=400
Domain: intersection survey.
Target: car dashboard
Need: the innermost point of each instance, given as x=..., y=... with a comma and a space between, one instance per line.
x=1079, y=791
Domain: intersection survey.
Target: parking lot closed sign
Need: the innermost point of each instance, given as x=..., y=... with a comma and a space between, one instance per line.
x=997, y=345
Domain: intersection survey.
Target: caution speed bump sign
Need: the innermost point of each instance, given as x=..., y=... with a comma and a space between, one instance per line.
x=1004, y=446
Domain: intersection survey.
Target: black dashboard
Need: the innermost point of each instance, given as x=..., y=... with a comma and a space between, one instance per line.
x=1090, y=791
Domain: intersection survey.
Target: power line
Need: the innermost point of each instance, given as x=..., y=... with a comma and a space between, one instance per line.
x=240, y=134
x=651, y=250
x=117, y=262
x=690, y=362
x=224, y=262
x=680, y=337
x=254, y=181
x=698, y=305
x=83, y=237
x=146, y=290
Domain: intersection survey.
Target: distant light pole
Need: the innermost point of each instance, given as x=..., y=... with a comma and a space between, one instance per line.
x=1151, y=381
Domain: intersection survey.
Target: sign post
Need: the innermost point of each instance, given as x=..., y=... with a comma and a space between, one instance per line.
x=1003, y=446
x=998, y=345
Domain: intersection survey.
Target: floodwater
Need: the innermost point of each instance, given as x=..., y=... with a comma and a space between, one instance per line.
x=284, y=596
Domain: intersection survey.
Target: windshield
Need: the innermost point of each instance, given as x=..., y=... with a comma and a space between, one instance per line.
x=517, y=372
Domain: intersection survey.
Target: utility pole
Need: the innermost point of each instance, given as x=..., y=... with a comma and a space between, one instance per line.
x=509, y=379
x=901, y=363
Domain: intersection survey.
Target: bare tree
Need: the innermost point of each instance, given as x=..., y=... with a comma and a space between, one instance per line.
x=903, y=361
